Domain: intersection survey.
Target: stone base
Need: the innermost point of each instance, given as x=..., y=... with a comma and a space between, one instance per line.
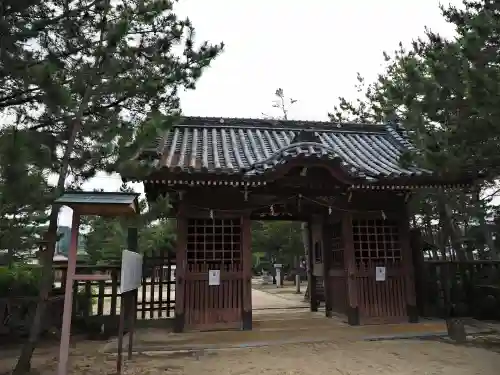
x=456, y=330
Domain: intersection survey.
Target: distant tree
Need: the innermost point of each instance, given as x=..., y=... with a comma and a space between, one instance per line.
x=280, y=240
x=282, y=103
x=107, y=237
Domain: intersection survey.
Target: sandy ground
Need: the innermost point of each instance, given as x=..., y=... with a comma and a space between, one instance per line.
x=339, y=355
x=357, y=358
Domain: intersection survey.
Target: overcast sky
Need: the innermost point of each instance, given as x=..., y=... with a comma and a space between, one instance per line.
x=312, y=49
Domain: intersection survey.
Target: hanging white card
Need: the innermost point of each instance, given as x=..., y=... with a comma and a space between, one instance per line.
x=380, y=274
x=214, y=277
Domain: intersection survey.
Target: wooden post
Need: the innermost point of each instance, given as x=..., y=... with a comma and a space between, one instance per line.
x=313, y=293
x=297, y=283
x=131, y=322
x=247, y=273
x=62, y=368
x=353, y=313
x=132, y=239
x=326, y=235
x=121, y=330
x=180, y=271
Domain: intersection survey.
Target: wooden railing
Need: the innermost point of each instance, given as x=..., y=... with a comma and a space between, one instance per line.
x=99, y=301
x=94, y=302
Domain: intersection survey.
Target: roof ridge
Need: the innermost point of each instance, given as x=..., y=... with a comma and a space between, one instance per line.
x=199, y=121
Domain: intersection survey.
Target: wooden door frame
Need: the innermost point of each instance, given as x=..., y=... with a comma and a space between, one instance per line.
x=246, y=277
x=246, y=249
x=352, y=310
x=356, y=313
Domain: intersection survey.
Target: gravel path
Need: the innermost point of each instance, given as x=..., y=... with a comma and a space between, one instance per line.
x=263, y=300
x=356, y=358
x=403, y=357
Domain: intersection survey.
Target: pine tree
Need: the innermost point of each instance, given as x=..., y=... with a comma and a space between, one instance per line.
x=23, y=195
x=446, y=94
x=101, y=83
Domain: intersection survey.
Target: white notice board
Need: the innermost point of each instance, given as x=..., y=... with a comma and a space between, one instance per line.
x=380, y=274
x=131, y=271
x=214, y=277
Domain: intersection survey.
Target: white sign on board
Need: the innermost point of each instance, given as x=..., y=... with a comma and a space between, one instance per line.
x=214, y=277
x=380, y=274
x=131, y=271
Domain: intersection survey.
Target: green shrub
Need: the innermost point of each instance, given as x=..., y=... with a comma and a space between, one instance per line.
x=19, y=281
x=22, y=280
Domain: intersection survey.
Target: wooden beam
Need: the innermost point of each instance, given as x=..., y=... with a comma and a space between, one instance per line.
x=313, y=292
x=180, y=270
x=327, y=266
x=95, y=277
x=247, y=273
x=353, y=314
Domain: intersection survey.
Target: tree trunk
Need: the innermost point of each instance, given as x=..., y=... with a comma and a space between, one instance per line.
x=23, y=364
x=450, y=227
x=483, y=225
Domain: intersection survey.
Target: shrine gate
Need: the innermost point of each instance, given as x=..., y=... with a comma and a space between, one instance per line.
x=345, y=180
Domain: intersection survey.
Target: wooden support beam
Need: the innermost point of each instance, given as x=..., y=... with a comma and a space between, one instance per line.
x=327, y=265
x=180, y=270
x=93, y=277
x=313, y=290
x=353, y=316
x=247, y=273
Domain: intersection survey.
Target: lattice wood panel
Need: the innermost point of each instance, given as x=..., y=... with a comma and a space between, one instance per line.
x=213, y=244
x=376, y=242
x=214, y=241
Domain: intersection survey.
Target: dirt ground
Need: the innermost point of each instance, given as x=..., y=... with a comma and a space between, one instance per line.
x=343, y=351
x=383, y=357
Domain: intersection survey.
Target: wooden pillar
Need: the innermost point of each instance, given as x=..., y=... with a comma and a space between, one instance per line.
x=327, y=265
x=407, y=258
x=180, y=271
x=313, y=293
x=350, y=265
x=247, y=273
x=62, y=368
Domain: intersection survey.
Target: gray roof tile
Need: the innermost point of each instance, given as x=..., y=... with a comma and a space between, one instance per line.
x=252, y=147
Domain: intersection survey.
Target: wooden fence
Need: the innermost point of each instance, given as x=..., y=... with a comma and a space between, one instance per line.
x=98, y=302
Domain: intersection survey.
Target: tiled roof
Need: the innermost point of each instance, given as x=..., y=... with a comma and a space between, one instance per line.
x=251, y=147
